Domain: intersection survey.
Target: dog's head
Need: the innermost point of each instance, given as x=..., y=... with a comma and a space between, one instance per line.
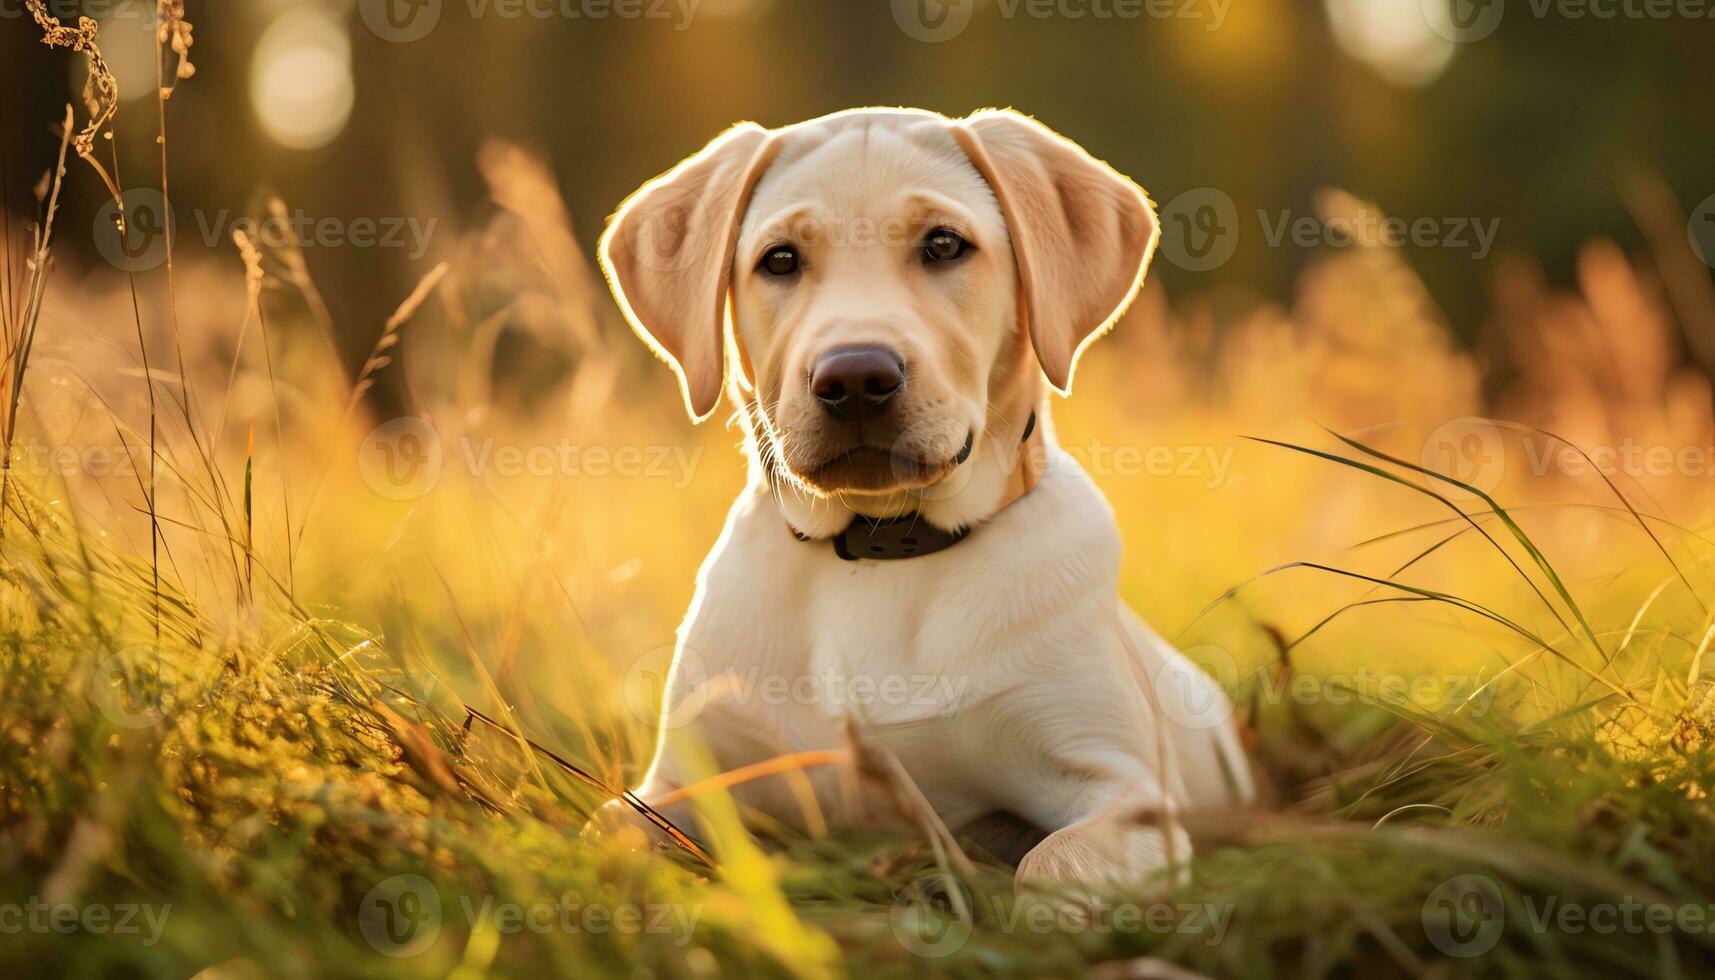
x=897, y=283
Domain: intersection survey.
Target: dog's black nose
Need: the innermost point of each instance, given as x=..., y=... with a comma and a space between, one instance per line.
x=856, y=379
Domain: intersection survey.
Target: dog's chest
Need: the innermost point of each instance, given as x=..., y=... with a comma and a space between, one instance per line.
x=948, y=660
x=900, y=643
x=880, y=643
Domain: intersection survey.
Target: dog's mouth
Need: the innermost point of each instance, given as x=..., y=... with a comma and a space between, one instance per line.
x=878, y=469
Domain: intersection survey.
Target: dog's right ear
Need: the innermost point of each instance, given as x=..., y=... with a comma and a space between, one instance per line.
x=667, y=253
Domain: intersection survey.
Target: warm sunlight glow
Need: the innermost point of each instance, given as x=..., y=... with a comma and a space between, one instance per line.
x=127, y=42
x=300, y=79
x=1395, y=37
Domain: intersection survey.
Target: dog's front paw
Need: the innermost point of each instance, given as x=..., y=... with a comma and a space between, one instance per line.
x=1099, y=858
x=619, y=825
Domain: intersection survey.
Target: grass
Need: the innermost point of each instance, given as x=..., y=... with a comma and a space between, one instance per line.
x=238, y=671
x=256, y=793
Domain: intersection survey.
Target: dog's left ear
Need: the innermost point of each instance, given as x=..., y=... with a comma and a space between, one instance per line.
x=1082, y=233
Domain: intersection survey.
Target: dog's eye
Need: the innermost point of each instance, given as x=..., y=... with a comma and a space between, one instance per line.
x=942, y=245
x=781, y=260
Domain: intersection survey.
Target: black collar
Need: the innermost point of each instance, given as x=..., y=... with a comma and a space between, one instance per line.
x=893, y=538
x=897, y=538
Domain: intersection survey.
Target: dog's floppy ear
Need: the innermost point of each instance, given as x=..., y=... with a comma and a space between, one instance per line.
x=1082, y=234
x=667, y=253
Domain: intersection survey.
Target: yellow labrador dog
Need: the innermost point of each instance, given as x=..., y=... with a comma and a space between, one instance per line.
x=886, y=295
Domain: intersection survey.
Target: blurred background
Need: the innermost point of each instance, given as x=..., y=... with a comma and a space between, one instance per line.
x=1538, y=120
x=1397, y=218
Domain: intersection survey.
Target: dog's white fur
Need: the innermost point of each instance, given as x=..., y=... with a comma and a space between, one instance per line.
x=1003, y=673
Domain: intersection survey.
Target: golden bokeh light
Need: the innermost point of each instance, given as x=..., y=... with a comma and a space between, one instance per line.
x=300, y=79
x=127, y=41
x=1407, y=42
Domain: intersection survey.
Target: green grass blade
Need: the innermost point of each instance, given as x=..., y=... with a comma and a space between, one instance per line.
x=1512, y=526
